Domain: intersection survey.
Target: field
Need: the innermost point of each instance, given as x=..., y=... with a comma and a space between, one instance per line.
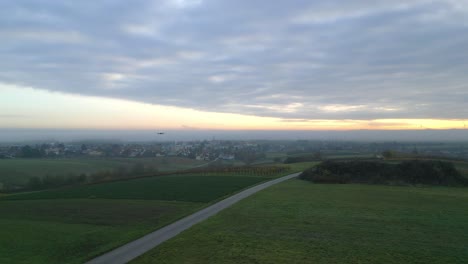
x=18, y=171
x=71, y=231
x=71, y=225
x=301, y=222
x=300, y=166
x=191, y=188
x=350, y=156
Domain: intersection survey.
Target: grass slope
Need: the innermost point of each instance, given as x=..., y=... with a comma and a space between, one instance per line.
x=301, y=222
x=189, y=188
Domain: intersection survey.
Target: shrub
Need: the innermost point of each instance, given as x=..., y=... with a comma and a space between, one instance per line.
x=374, y=172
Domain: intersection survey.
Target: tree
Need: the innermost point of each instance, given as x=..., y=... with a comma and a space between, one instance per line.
x=29, y=152
x=387, y=154
x=138, y=168
x=35, y=183
x=277, y=160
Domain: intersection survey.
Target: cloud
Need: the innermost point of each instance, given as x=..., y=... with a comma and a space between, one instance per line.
x=13, y=116
x=299, y=60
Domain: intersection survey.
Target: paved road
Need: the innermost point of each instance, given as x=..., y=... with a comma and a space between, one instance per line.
x=140, y=246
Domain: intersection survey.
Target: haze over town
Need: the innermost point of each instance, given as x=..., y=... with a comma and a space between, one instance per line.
x=47, y=135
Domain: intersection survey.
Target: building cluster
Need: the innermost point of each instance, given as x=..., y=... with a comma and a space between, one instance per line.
x=245, y=151
x=200, y=150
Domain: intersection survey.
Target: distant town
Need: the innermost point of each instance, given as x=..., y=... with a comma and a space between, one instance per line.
x=209, y=150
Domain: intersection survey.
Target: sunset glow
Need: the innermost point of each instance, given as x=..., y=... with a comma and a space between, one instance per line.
x=58, y=110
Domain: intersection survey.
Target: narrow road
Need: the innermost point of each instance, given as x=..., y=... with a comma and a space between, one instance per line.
x=140, y=246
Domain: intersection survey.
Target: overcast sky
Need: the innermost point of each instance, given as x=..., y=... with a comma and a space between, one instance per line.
x=292, y=60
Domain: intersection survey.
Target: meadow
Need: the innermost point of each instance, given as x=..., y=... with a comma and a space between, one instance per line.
x=301, y=222
x=299, y=166
x=72, y=231
x=74, y=224
x=190, y=188
x=18, y=171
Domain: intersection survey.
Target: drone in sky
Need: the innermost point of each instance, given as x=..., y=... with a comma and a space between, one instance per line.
x=160, y=133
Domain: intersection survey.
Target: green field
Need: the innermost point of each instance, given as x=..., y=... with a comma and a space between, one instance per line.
x=18, y=171
x=71, y=225
x=350, y=156
x=299, y=166
x=191, y=188
x=71, y=231
x=301, y=222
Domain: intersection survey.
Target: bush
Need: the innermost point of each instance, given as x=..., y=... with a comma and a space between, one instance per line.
x=408, y=172
x=306, y=158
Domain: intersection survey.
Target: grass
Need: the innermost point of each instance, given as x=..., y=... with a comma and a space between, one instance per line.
x=72, y=231
x=74, y=224
x=191, y=188
x=349, y=156
x=272, y=155
x=301, y=222
x=299, y=166
x=18, y=171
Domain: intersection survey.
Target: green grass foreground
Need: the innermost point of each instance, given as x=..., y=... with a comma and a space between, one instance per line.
x=74, y=224
x=301, y=222
x=72, y=231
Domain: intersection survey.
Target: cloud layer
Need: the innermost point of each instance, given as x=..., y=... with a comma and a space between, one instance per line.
x=358, y=59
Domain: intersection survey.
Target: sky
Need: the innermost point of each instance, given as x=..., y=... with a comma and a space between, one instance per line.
x=234, y=65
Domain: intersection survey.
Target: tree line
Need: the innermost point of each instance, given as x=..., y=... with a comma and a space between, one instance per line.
x=317, y=156
x=426, y=172
x=243, y=170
